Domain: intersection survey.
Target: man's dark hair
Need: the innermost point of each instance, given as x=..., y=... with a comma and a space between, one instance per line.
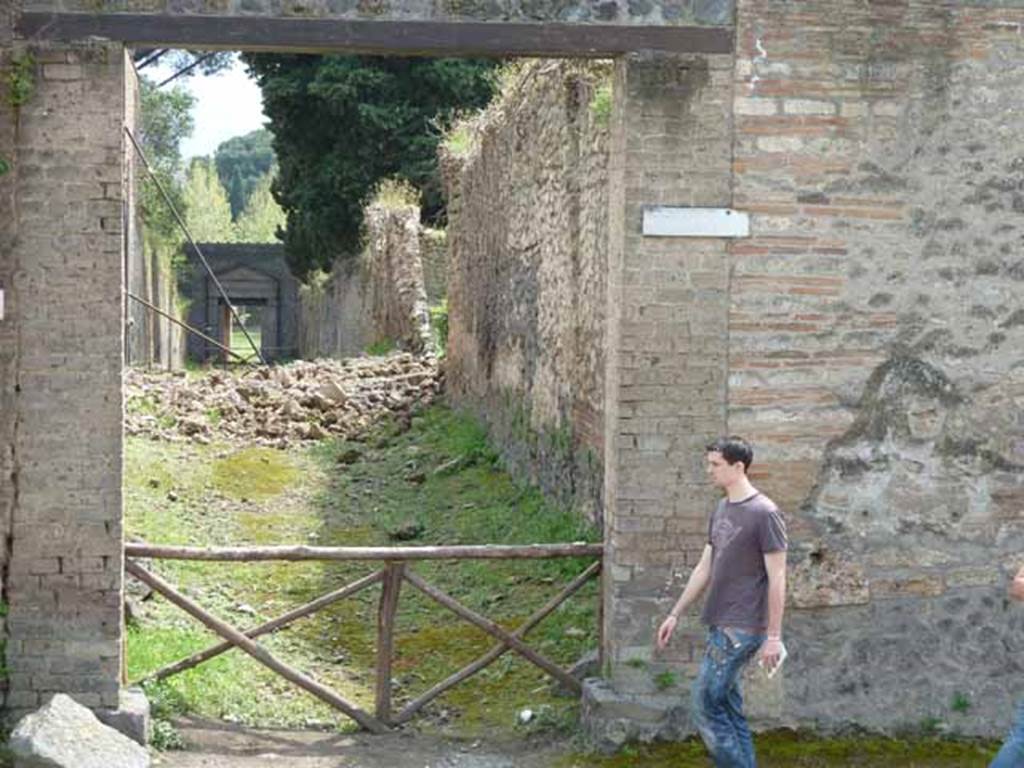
x=733, y=449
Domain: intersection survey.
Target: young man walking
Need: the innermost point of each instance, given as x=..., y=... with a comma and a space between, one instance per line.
x=743, y=568
x=1012, y=753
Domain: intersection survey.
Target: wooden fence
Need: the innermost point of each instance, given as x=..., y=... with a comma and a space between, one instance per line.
x=391, y=576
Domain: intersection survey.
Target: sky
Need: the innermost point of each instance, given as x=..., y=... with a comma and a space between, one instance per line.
x=227, y=104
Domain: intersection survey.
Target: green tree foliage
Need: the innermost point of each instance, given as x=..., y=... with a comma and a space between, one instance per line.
x=262, y=218
x=207, y=211
x=165, y=121
x=343, y=123
x=242, y=162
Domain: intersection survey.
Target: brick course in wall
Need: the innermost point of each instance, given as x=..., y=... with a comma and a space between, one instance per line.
x=667, y=376
x=61, y=378
x=875, y=350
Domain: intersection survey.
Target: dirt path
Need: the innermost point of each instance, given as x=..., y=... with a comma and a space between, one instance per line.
x=214, y=744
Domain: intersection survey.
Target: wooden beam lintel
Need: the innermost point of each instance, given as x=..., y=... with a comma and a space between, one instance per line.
x=406, y=38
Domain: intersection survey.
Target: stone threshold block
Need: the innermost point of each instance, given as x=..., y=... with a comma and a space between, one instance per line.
x=132, y=716
x=611, y=719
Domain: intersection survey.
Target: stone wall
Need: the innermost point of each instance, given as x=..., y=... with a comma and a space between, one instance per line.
x=667, y=373
x=434, y=255
x=8, y=328
x=527, y=237
x=875, y=345
x=248, y=272
x=60, y=372
x=150, y=339
x=377, y=298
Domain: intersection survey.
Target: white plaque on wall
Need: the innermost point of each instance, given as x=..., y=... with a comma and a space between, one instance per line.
x=669, y=221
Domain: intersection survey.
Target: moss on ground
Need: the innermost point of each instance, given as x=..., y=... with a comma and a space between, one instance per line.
x=434, y=483
x=789, y=749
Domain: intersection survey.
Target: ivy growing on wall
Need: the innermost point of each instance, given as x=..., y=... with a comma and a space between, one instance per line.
x=20, y=80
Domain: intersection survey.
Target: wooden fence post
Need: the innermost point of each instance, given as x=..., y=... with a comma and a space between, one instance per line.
x=391, y=586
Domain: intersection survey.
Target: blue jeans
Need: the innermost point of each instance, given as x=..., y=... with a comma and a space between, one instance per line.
x=1012, y=753
x=717, y=702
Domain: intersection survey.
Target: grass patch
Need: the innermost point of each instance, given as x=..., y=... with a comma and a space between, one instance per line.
x=789, y=749
x=253, y=473
x=437, y=482
x=381, y=347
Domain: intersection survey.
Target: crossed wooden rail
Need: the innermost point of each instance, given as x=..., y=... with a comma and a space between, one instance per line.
x=391, y=577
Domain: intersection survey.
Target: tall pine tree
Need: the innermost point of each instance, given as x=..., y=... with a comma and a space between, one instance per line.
x=341, y=124
x=207, y=211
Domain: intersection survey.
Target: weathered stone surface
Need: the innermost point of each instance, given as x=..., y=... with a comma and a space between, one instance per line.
x=64, y=734
x=875, y=348
x=527, y=239
x=611, y=718
x=60, y=373
x=305, y=400
x=132, y=717
x=378, y=297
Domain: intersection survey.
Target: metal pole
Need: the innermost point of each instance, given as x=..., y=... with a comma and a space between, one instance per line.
x=186, y=326
x=189, y=68
x=192, y=242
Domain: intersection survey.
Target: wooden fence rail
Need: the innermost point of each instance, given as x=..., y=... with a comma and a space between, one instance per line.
x=395, y=571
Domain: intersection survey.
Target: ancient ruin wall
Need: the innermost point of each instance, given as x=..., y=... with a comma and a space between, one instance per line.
x=876, y=338
x=60, y=373
x=434, y=255
x=527, y=237
x=8, y=330
x=379, y=297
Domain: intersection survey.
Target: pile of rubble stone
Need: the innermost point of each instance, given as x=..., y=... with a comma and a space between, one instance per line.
x=279, y=405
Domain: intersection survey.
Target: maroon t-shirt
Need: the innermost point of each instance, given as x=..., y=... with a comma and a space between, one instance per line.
x=740, y=533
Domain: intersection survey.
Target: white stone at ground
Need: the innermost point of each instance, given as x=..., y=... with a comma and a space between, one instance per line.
x=64, y=734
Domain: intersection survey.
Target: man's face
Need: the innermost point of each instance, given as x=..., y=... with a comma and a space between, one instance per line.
x=721, y=472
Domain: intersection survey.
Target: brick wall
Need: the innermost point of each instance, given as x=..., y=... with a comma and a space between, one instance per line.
x=875, y=342
x=527, y=241
x=61, y=377
x=666, y=383
x=8, y=329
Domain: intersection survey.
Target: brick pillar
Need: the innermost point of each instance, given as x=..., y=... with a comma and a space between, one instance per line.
x=8, y=336
x=62, y=255
x=666, y=375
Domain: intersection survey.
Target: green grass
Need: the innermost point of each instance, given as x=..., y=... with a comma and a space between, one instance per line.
x=381, y=347
x=241, y=345
x=227, y=496
x=789, y=749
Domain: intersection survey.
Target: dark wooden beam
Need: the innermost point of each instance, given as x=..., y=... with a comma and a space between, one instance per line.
x=447, y=38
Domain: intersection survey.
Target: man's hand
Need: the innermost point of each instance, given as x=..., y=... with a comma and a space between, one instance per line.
x=771, y=653
x=1017, y=586
x=668, y=626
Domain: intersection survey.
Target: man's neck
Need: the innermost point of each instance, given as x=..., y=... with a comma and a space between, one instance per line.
x=740, y=490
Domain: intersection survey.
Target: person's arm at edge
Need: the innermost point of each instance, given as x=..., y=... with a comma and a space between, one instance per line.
x=1017, y=586
x=775, y=565
x=695, y=586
